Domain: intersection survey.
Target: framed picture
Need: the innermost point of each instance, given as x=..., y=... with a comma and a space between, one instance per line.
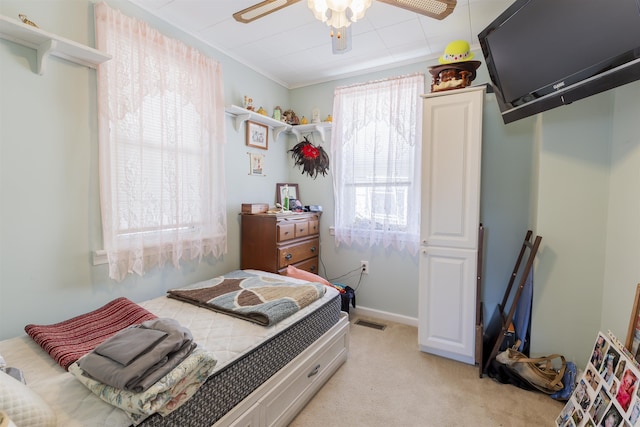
x=284, y=189
x=256, y=164
x=633, y=333
x=607, y=392
x=257, y=135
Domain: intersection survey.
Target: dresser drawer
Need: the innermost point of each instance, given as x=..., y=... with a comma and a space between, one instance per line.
x=302, y=229
x=286, y=231
x=310, y=265
x=293, y=254
x=314, y=226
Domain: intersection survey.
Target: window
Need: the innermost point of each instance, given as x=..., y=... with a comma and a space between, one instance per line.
x=161, y=136
x=376, y=138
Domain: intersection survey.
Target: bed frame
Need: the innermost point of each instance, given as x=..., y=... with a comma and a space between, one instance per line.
x=282, y=397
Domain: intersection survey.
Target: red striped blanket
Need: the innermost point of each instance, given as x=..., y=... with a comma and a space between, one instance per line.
x=71, y=339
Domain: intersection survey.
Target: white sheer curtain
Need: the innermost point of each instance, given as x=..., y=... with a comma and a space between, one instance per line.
x=161, y=141
x=376, y=143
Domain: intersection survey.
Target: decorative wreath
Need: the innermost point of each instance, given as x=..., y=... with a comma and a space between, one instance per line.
x=313, y=159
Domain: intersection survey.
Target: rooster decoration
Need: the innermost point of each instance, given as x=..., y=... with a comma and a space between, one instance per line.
x=313, y=159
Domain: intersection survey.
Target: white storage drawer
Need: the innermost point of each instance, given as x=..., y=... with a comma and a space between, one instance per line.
x=251, y=418
x=296, y=389
x=279, y=399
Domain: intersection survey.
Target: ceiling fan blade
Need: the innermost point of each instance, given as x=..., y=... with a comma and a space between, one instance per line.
x=261, y=9
x=438, y=9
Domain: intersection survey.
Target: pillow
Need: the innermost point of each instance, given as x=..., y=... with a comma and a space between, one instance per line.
x=22, y=405
x=305, y=275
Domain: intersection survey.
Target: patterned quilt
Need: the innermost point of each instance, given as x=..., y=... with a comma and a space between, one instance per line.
x=259, y=299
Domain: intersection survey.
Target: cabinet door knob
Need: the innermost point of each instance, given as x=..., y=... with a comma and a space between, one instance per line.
x=288, y=256
x=313, y=268
x=313, y=248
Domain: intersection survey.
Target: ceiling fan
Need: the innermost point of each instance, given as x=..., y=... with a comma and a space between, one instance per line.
x=339, y=14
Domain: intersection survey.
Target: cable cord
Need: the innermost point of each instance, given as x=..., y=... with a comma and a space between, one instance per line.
x=346, y=276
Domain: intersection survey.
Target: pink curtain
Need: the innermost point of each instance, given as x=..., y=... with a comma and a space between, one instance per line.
x=161, y=148
x=376, y=141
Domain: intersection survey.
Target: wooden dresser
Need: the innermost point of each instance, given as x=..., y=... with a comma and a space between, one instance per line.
x=271, y=242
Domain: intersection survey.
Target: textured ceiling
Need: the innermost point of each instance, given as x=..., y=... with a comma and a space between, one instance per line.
x=293, y=48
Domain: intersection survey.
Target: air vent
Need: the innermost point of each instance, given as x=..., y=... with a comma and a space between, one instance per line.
x=372, y=325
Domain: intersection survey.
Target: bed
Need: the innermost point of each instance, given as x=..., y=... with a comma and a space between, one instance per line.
x=263, y=375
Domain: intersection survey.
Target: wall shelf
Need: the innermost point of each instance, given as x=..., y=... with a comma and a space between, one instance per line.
x=242, y=115
x=46, y=44
x=321, y=128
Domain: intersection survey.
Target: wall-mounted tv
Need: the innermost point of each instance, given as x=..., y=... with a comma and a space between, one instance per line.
x=542, y=54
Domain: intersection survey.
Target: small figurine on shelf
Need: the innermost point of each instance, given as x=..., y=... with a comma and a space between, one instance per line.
x=262, y=111
x=26, y=20
x=248, y=103
x=315, y=116
x=291, y=118
x=277, y=113
x=304, y=121
x=329, y=118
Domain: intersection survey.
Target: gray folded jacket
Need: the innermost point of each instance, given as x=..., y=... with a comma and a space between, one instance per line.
x=137, y=357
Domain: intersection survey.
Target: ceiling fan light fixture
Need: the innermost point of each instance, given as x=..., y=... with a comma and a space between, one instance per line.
x=341, y=43
x=261, y=9
x=437, y=9
x=338, y=13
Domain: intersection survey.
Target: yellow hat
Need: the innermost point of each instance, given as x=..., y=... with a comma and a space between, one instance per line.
x=456, y=51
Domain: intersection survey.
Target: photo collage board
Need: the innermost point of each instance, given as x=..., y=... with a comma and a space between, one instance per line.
x=608, y=393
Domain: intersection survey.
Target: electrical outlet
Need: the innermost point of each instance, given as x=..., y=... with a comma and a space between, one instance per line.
x=364, y=267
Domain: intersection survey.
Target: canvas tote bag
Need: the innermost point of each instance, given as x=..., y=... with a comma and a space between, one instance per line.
x=538, y=371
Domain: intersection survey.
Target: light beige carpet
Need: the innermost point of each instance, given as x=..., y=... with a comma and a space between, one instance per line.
x=386, y=381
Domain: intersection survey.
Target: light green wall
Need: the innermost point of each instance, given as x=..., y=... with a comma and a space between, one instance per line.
x=572, y=211
x=588, y=212
x=622, y=266
x=505, y=205
x=49, y=200
x=570, y=173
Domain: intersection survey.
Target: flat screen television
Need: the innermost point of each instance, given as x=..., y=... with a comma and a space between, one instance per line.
x=542, y=54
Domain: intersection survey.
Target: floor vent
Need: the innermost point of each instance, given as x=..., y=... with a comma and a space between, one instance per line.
x=372, y=325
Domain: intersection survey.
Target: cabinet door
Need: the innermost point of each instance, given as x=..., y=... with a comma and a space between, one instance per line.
x=447, y=295
x=451, y=154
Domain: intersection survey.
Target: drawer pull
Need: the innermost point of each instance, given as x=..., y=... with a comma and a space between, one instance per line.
x=288, y=256
x=314, y=371
x=313, y=268
x=313, y=248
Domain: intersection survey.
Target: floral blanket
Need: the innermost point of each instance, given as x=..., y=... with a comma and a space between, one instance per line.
x=259, y=299
x=164, y=396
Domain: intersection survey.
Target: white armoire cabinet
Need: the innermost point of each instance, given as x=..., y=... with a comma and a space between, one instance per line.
x=450, y=218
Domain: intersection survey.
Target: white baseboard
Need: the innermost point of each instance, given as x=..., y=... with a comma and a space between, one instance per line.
x=384, y=315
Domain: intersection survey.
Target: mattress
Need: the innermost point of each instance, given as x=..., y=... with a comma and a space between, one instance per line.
x=247, y=355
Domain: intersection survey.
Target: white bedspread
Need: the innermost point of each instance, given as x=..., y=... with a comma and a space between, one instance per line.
x=227, y=337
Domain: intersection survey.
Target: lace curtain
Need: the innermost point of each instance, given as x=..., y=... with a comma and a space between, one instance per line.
x=376, y=144
x=161, y=136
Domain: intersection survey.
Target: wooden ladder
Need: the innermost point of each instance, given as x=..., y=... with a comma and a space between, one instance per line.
x=501, y=320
